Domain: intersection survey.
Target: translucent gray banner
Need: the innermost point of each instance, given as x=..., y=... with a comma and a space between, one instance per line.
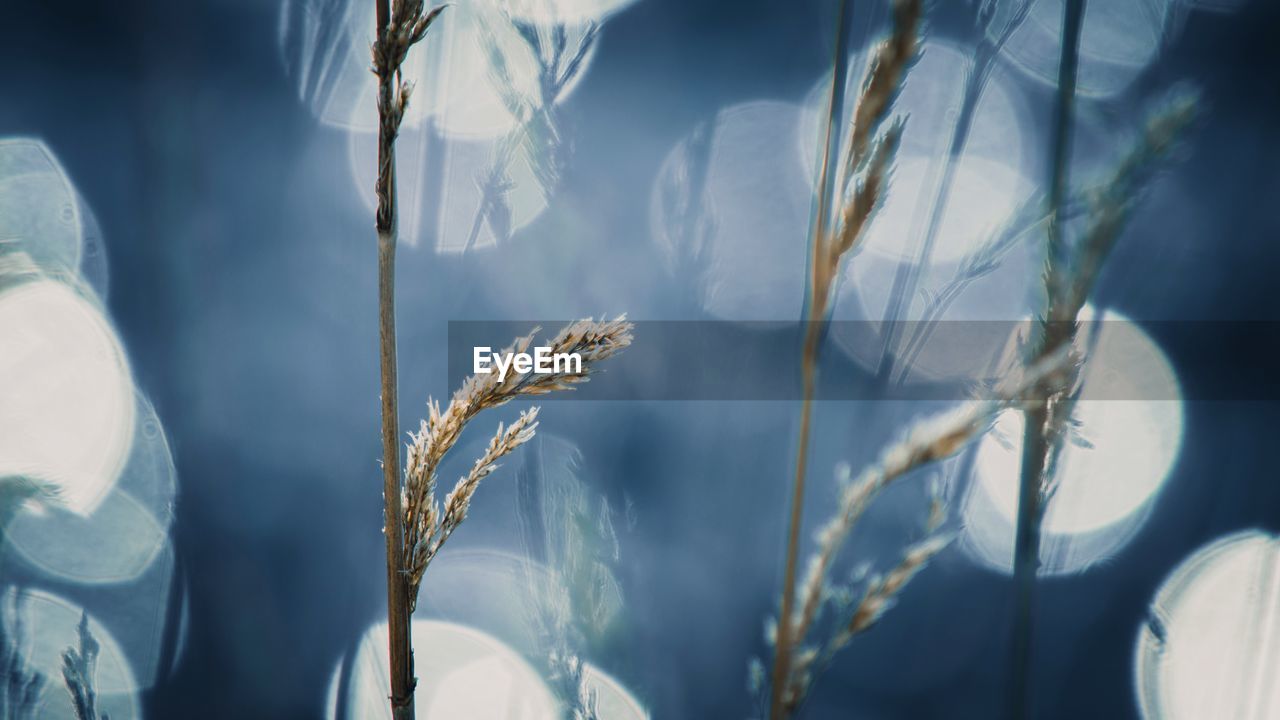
x=714, y=360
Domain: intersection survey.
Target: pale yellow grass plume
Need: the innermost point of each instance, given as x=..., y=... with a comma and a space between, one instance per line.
x=869, y=153
x=1070, y=276
x=861, y=185
x=427, y=524
x=927, y=441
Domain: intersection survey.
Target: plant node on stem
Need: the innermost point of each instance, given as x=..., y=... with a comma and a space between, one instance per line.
x=399, y=27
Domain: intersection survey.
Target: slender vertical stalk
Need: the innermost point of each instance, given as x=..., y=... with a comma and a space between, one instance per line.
x=815, y=312
x=398, y=621
x=1055, y=333
x=907, y=279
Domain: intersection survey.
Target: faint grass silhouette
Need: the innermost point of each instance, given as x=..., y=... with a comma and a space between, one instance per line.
x=926, y=442
x=1070, y=274
x=79, y=667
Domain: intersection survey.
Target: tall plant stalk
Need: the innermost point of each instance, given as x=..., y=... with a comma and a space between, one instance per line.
x=856, y=190
x=1056, y=333
x=398, y=29
x=808, y=368
x=1070, y=275
x=417, y=525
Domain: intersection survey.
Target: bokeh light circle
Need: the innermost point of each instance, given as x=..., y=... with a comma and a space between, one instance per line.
x=450, y=207
x=464, y=673
x=121, y=538
x=742, y=235
x=1211, y=645
x=472, y=62
x=1109, y=474
x=69, y=411
x=39, y=208
x=1118, y=41
x=566, y=11
x=46, y=625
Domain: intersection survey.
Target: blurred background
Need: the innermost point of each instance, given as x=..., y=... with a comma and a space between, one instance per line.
x=188, y=354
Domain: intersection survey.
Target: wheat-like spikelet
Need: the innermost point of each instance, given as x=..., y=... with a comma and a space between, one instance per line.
x=433, y=526
x=1113, y=203
x=869, y=157
x=427, y=526
x=1070, y=280
x=407, y=25
x=928, y=441
x=882, y=592
x=889, y=65
x=79, y=667
x=865, y=178
x=1069, y=277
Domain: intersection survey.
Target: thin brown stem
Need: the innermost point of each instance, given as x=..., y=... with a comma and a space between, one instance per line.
x=834, y=237
x=400, y=659
x=815, y=309
x=400, y=26
x=398, y=624
x=785, y=638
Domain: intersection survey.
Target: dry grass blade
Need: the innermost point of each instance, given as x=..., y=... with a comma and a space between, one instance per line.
x=881, y=592
x=427, y=526
x=865, y=179
x=928, y=441
x=1070, y=280
x=79, y=665
x=869, y=153
x=889, y=65
x=1069, y=277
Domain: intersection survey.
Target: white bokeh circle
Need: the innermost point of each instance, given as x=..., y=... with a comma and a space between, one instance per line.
x=1129, y=436
x=48, y=627
x=464, y=673
x=470, y=60
x=122, y=537
x=69, y=411
x=1211, y=648
x=566, y=11
x=748, y=258
x=1118, y=41
x=39, y=208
